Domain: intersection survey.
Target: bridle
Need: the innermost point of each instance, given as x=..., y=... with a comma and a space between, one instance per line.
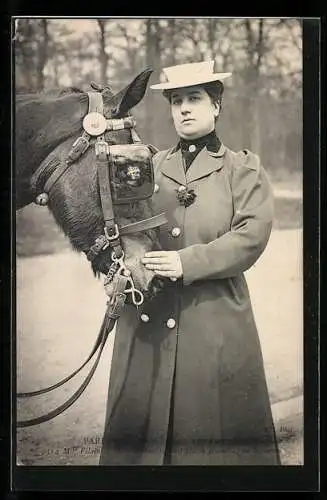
x=119, y=278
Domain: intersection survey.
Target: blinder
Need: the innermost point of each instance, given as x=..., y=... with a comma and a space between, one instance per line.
x=131, y=173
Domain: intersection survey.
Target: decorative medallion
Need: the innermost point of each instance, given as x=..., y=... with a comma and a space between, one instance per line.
x=94, y=124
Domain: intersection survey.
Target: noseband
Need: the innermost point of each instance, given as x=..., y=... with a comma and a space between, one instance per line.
x=119, y=278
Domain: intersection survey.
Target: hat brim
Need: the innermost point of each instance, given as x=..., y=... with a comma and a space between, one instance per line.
x=190, y=82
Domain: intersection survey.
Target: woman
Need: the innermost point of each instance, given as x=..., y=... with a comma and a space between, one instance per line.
x=187, y=382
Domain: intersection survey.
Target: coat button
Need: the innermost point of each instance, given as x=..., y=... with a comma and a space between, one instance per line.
x=176, y=231
x=145, y=318
x=171, y=323
x=156, y=188
x=181, y=189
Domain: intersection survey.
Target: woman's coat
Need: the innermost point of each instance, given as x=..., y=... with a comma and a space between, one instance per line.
x=187, y=386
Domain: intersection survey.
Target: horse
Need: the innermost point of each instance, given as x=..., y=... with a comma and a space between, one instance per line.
x=50, y=124
x=85, y=189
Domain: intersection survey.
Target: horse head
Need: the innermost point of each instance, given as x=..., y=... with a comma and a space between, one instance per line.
x=48, y=128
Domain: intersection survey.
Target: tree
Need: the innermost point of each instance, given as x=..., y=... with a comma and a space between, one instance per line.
x=103, y=55
x=42, y=54
x=153, y=60
x=32, y=41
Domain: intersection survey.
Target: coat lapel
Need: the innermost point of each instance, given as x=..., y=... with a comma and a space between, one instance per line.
x=173, y=167
x=205, y=163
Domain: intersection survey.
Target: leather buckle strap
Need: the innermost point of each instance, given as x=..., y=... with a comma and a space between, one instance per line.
x=144, y=225
x=79, y=147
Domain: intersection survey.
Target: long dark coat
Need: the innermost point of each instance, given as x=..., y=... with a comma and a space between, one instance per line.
x=188, y=387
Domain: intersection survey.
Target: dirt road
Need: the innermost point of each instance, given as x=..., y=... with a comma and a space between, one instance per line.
x=60, y=306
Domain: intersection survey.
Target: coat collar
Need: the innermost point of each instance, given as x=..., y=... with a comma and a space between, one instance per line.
x=204, y=164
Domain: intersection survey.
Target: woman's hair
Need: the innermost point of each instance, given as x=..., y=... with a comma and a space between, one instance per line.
x=215, y=91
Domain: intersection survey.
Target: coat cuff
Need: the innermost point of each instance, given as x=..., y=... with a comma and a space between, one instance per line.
x=187, y=260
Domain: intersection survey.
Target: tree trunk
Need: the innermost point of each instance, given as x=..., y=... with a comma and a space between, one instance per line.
x=55, y=69
x=153, y=59
x=103, y=56
x=42, y=55
x=212, y=28
x=171, y=60
x=251, y=116
x=23, y=47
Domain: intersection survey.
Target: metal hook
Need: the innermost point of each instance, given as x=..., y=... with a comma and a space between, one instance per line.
x=137, y=295
x=120, y=259
x=134, y=292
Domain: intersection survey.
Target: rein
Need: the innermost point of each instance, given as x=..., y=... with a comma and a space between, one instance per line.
x=118, y=282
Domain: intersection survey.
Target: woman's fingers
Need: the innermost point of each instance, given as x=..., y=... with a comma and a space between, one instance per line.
x=163, y=263
x=155, y=260
x=164, y=266
x=156, y=253
x=169, y=274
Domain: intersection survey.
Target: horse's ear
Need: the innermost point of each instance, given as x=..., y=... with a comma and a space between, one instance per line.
x=131, y=95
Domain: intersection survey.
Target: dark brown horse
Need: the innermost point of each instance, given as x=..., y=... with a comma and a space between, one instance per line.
x=50, y=124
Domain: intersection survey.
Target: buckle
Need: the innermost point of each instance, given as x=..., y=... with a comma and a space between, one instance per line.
x=79, y=142
x=101, y=147
x=115, y=236
x=102, y=242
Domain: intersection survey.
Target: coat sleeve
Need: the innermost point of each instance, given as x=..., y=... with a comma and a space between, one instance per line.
x=251, y=225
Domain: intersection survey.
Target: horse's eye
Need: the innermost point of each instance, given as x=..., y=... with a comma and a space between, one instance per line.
x=114, y=111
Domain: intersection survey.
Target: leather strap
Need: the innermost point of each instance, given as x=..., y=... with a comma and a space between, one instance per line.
x=52, y=162
x=113, y=312
x=63, y=381
x=95, y=102
x=105, y=188
x=107, y=326
x=54, y=177
x=144, y=225
x=110, y=227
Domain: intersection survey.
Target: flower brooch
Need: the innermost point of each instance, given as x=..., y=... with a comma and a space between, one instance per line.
x=185, y=196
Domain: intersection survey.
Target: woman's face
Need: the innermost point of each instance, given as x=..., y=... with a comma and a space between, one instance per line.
x=193, y=112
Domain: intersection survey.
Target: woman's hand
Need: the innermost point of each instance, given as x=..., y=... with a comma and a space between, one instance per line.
x=164, y=263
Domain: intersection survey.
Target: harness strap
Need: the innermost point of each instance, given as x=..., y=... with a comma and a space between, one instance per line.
x=95, y=102
x=104, y=183
x=52, y=162
x=63, y=381
x=144, y=225
x=114, y=309
x=79, y=147
x=110, y=228
x=107, y=326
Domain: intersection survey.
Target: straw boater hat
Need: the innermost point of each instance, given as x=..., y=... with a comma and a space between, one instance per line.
x=187, y=75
